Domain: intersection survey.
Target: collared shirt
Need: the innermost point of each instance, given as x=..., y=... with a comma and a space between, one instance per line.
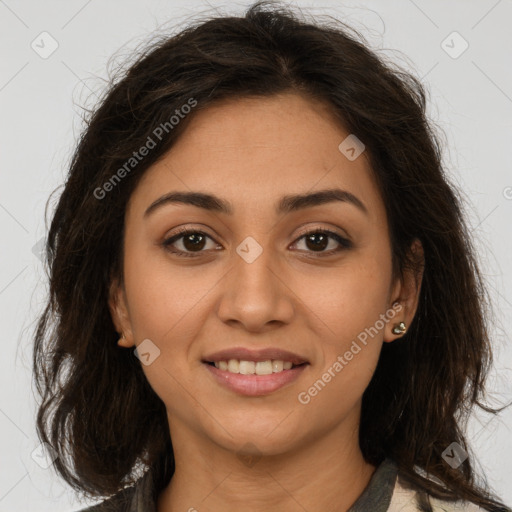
x=386, y=492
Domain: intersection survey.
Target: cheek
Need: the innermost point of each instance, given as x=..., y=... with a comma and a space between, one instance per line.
x=168, y=305
x=348, y=299
x=157, y=308
x=162, y=296
x=352, y=304
x=338, y=388
x=162, y=312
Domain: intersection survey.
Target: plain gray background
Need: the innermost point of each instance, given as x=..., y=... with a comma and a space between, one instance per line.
x=40, y=98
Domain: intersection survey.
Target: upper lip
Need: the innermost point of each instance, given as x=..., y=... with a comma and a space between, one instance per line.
x=246, y=354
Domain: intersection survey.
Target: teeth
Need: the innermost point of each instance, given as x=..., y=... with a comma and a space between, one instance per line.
x=233, y=366
x=277, y=366
x=254, y=368
x=264, y=367
x=247, y=367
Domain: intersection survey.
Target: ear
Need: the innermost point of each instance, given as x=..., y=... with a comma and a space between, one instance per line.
x=117, y=304
x=406, y=291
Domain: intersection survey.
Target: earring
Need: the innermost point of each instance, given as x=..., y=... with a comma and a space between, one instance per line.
x=399, y=329
x=120, y=339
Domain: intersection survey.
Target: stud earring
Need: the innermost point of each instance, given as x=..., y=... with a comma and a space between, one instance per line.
x=399, y=329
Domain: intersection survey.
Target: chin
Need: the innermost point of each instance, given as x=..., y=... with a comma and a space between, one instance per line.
x=261, y=438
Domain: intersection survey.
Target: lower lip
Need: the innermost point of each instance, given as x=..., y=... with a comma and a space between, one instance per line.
x=255, y=385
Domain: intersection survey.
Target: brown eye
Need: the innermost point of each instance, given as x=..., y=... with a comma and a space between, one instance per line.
x=194, y=241
x=188, y=241
x=191, y=243
x=319, y=240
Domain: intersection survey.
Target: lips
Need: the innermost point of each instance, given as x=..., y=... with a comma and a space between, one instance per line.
x=255, y=385
x=245, y=354
x=287, y=367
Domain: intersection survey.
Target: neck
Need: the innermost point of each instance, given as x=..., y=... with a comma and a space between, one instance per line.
x=326, y=474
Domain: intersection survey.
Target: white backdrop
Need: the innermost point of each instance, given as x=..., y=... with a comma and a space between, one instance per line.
x=53, y=55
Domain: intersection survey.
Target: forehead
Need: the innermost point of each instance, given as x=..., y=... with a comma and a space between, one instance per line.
x=252, y=151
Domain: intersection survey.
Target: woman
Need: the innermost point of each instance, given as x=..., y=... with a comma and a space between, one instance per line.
x=263, y=293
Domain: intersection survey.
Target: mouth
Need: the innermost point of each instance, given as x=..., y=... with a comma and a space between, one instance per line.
x=245, y=367
x=254, y=373
x=264, y=355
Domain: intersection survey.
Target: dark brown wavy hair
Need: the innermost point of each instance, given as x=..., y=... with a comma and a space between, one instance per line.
x=97, y=408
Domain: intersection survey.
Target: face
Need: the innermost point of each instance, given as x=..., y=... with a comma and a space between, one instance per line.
x=250, y=282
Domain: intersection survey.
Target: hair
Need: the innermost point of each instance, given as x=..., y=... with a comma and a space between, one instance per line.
x=97, y=409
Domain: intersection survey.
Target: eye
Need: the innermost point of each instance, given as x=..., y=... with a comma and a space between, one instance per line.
x=317, y=240
x=194, y=241
x=191, y=241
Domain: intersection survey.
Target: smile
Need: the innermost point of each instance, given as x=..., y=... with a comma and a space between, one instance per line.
x=252, y=378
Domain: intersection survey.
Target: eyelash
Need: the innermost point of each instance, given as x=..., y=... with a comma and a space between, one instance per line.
x=344, y=243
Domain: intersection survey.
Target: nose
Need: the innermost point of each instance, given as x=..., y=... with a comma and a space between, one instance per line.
x=254, y=293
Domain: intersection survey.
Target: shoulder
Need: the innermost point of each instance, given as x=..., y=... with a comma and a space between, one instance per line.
x=404, y=499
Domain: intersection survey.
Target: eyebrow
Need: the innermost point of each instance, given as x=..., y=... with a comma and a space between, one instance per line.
x=287, y=204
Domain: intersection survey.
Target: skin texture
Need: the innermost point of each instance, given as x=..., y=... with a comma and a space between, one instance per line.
x=251, y=152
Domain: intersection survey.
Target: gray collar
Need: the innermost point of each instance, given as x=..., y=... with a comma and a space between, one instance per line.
x=377, y=495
